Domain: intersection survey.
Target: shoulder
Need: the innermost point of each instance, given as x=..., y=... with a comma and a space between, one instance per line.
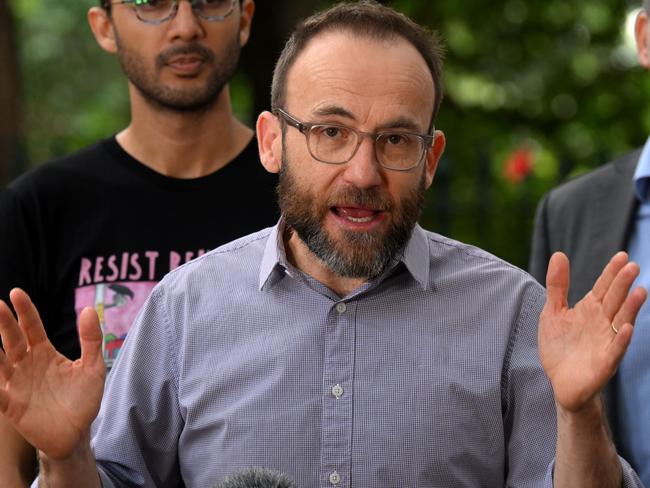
x=481, y=286
x=451, y=259
x=605, y=178
x=248, y=163
x=208, y=284
x=62, y=172
x=444, y=247
x=235, y=261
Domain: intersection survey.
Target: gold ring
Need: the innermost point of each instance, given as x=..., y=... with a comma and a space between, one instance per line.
x=614, y=329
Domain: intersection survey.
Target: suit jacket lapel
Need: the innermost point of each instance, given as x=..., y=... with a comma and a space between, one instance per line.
x=615, y=206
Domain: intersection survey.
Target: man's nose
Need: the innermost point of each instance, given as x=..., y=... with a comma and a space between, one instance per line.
x=363, y=170
x=186, y=25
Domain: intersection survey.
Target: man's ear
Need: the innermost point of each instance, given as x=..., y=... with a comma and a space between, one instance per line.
x=269, y=141
x=245, y=20
x=641, y=36
x=433, y=157
x=102, y=27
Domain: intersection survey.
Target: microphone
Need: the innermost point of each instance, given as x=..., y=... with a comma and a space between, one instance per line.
x=254, y=477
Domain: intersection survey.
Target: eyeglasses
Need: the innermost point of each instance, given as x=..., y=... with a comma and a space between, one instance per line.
x=337, y=144
x=158, y=11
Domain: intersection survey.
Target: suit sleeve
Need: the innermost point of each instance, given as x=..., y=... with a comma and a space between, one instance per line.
x=540, y=248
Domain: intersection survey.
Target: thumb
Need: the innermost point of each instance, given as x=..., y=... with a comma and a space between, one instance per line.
x=557, y=282
x=90, y=337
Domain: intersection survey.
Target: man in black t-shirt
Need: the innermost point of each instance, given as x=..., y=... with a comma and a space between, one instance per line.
x=99, y=228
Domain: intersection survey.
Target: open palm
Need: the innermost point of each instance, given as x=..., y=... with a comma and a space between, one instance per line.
x=50, y=400
x=580, y=347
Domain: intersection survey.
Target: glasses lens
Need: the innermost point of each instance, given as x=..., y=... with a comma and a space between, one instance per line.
x=399, y=150
x=332, y=143
x=153, y=10
x=214, y=9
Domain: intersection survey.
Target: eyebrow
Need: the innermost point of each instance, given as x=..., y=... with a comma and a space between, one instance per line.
x=334, y=110
x=400, y=122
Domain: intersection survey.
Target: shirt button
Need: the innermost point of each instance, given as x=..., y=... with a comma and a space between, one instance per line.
x=341, y=307
x=335, y=478
x=337, y=391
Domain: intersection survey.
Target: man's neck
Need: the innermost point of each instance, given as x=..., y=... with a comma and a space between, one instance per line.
x=184, y=145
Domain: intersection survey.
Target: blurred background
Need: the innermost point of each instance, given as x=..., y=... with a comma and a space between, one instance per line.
x=536, y=91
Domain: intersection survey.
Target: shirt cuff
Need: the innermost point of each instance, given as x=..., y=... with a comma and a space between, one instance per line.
x=630, y=478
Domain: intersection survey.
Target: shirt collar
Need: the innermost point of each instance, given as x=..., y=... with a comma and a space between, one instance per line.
x=274, y=260
x=416, y=257
x=642, y=174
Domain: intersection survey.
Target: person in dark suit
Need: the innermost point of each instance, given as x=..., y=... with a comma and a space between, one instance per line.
x=590, y=218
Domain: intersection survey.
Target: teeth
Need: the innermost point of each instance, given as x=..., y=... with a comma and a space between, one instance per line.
x=359, y=219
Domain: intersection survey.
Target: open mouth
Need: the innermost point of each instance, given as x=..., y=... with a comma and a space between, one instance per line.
x=358, y=217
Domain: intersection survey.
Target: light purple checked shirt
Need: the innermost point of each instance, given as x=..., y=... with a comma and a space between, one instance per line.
x=425, y=377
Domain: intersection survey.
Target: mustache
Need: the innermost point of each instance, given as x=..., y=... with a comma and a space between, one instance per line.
x=363, y=197
x=193, y=49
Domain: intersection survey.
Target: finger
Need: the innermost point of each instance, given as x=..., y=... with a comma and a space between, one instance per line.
x=13, y=340
x=28, y=318
x=557, y=282
x=608, y=275
x=630, y=308
x=618, y=346
x=619, y=289
x=90, y=338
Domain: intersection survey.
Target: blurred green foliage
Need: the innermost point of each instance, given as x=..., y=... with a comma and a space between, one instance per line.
x=73, y=92
x=535, y=91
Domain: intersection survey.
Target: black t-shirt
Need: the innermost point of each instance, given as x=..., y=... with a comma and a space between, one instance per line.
x=100, y=229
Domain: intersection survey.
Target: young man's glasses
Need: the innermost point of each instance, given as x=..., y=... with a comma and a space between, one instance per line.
x=337, y=144
x=159, y=11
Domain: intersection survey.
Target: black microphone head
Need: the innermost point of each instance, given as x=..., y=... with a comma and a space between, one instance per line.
x=257, y=478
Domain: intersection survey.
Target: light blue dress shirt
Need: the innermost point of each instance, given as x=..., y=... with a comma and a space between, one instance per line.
x=427, y=376
x=633, y=400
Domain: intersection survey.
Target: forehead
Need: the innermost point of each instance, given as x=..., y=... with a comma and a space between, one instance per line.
x=369, y=77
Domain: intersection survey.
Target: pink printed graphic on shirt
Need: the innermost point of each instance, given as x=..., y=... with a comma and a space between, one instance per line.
x=117, y=305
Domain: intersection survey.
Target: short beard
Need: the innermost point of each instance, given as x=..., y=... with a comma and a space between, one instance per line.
x=180, y=100
x=357, y=254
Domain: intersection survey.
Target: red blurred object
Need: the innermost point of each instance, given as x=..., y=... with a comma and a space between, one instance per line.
x=518, y=165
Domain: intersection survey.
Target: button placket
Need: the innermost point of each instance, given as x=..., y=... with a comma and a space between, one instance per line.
x=337, y=395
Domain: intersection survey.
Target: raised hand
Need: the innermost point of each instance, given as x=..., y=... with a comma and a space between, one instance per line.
x=581, y=347
x=50, y=400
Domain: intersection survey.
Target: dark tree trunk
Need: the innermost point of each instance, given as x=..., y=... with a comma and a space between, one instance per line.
x=10, y=119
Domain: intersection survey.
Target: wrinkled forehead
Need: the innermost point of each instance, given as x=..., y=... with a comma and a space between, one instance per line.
x=361, y=73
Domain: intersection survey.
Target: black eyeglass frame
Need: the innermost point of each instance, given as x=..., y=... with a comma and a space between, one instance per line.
x=305, y=129
x=173, y=11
